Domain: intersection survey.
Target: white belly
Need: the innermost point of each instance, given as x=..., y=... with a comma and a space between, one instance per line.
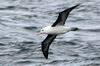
x=58, y=30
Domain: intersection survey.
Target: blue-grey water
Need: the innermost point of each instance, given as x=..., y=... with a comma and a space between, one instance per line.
x=21, y=19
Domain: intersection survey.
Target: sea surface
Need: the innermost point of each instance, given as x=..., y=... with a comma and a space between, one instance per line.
x=21, y=19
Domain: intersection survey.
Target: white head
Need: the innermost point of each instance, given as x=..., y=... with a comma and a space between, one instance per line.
x=44, y=30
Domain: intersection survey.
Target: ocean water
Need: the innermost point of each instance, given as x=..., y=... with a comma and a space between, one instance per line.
x=21, y=19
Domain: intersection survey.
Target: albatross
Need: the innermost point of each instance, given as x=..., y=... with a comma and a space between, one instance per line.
x=56, y=29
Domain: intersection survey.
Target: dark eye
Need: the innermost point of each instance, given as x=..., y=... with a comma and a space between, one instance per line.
x=42, y=30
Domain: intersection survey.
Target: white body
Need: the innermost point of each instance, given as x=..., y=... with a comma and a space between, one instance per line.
x=54, y=30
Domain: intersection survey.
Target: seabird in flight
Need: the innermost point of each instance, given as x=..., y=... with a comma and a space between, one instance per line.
x=57, y=28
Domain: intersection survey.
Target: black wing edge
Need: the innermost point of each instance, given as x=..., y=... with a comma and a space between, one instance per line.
x=46, y=43
x=71, y=8
x=59, y=17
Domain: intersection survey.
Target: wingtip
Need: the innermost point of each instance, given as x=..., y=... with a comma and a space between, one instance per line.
x=45, y=53
x=77, y=5
x=46, y=57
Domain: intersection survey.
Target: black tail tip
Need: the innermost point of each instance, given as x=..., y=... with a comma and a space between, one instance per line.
x=74, y=29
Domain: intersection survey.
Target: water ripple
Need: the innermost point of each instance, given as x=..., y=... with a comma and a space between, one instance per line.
x=20, y=19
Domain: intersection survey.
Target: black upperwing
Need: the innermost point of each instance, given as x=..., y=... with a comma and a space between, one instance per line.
x=63, y=16
x=46, y=43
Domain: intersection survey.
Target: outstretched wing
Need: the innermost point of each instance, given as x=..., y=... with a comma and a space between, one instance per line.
x=46, y=43
x=63, y=16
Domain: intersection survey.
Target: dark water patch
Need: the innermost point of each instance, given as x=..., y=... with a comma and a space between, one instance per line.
x=23, y=50
x=3, y=23
x=71, y=43
x=92, y=30
x=93, y=64
x=90, y=48
x=26, y=47
x=93, y=58
x=66, y=42
x=5, y=38
x=74, y=55
x=75, y=41
x=14, y=8
x=2, y=44
x=57, y=62
x=24, y=62
x=5, y=54
x=22, y=8
x=30, y=27
x=29, y=16
x=8, y=8
x=35, y=15
x=28, y=42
